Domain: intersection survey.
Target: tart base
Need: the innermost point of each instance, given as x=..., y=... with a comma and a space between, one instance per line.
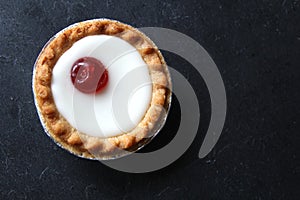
x=81, y=144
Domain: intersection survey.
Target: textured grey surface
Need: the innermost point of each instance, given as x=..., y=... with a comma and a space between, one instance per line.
x=255, y=44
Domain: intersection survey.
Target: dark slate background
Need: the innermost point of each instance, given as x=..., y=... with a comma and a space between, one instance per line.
x=255, y=44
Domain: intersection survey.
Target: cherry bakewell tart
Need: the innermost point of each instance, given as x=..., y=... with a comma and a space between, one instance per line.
x=101, y=88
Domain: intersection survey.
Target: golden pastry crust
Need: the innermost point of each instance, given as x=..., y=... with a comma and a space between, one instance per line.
x=58, y=127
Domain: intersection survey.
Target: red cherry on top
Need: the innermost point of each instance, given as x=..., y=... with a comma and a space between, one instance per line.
x=89, y=75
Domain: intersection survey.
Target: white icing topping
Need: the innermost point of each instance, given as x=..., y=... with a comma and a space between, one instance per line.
x=104, y=114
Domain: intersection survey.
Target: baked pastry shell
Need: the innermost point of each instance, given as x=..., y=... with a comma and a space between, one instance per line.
x=119, y=152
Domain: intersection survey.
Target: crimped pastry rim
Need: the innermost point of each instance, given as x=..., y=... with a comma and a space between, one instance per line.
x=166, y=105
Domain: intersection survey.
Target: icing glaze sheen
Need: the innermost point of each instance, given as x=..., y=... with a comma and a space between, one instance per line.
x=104, y=114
